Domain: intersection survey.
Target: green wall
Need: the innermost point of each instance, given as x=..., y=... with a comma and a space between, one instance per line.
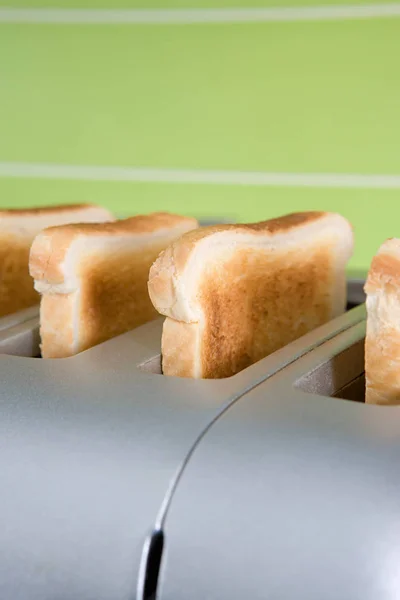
x=304, y=97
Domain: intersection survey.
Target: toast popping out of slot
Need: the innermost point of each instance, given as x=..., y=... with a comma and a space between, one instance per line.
x=93, y=278
x=18, y=229
x=233, y=294
x=382, y=342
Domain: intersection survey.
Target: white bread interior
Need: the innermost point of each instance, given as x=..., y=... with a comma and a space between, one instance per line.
x=234, y=293
x=18, y=228
x=382, y=342
x=93, y=278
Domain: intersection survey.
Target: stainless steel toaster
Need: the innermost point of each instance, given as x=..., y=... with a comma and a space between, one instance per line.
x=119, y=483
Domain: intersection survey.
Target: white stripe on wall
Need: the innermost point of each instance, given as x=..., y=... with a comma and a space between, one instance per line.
x=187, y=16
x=194, y=176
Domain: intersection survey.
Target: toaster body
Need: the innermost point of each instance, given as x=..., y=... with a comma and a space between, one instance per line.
x=120, y=483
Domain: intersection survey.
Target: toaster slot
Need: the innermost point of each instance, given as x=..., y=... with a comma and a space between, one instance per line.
x=355, y=297
x=152, y=365
x=355, y=292
x=341, y=375
x=354, y=390
x=19, y=333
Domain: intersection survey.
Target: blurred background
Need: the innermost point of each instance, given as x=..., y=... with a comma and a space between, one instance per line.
x=221, y=114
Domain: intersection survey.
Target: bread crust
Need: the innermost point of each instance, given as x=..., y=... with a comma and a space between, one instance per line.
x=18, y=228
x=97, y=274
x=50, y=248
x=382, y=342
x=250, y=289
x=43, y=210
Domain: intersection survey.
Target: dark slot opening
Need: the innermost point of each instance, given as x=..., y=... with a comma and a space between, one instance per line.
x=355, y=293
x=153, y=563
x=351, y=305
x=354, y=390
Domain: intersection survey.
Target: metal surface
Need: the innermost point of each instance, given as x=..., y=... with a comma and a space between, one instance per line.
x=19, y=317
x=92, y=450
x=21, y=339
x=291, y=493
x=89, y=449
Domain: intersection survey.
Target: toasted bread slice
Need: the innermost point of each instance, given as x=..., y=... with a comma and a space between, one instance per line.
x=382, y=342
x=18, y=229
x=232, y=294
x=93, y=278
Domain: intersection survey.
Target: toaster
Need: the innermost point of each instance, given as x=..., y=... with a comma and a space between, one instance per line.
x=119, y=483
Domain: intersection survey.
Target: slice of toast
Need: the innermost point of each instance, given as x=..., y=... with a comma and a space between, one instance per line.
x=232, y=294
x=93, y=278
x=18, y=229
x=382, y=342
